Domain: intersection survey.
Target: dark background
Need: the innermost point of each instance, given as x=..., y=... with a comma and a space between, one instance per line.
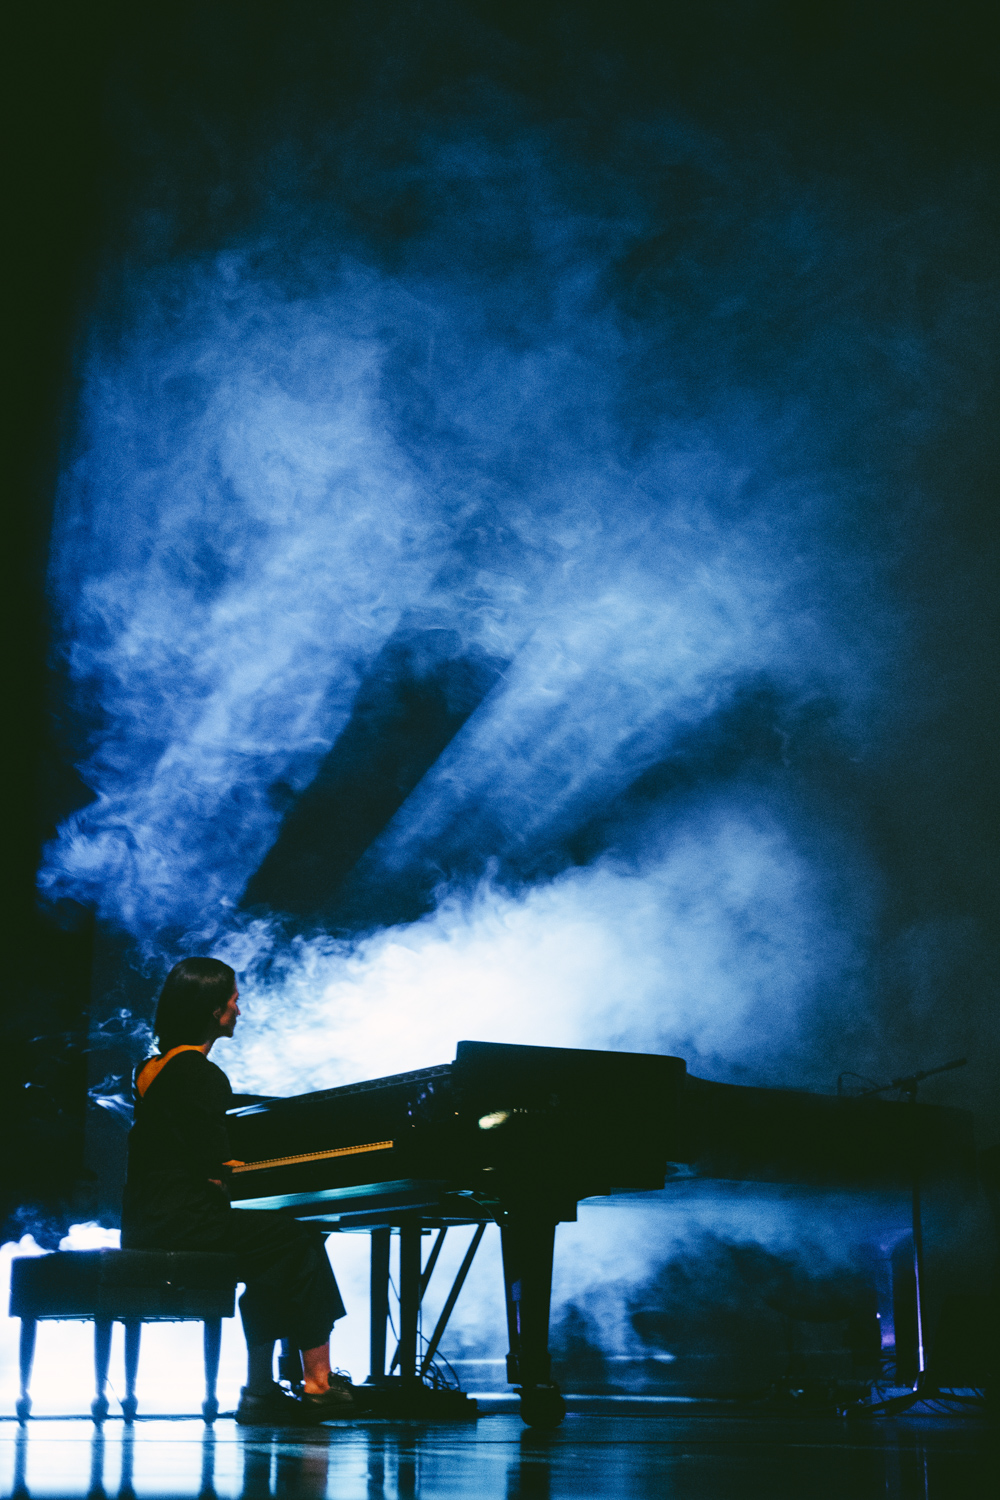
x=905, y=91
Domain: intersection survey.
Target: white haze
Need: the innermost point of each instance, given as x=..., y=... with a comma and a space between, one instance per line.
x=710, y=950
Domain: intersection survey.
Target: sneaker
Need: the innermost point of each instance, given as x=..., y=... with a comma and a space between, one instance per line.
x=272, y=1408
x=337, y=1401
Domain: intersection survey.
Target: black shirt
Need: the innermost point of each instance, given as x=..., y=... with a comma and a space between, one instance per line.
x=177, y=1144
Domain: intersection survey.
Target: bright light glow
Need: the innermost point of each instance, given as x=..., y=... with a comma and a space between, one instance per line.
x=706, y=952
x=171, y=1372
x=91, y=1237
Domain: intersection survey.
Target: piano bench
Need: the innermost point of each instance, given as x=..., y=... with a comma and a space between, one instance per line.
x=123, y=1286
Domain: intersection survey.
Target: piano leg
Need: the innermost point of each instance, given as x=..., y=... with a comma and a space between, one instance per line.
x=528, y=1244
x=381, y=1242
x=409, y=1297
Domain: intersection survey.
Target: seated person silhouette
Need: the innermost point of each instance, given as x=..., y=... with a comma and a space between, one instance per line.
x=176, y=1198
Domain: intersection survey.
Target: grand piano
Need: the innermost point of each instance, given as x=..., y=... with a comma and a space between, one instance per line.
x=518, y=1136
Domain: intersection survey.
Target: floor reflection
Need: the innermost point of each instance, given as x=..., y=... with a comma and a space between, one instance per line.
x=206, y=1489
x=639, y=1459
x=20, y=1484
x=529, y=1475
x=281, y=1468
x=391, y=1466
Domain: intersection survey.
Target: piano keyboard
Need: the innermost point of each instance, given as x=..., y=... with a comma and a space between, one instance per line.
x=291, y=1161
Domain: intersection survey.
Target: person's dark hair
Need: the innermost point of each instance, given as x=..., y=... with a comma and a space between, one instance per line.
x=193, y=991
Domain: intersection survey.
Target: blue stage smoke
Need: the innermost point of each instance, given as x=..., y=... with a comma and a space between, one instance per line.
x=283, y=454
x=637, y=421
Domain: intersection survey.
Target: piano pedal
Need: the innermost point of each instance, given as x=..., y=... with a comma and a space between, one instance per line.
x=413, y=1400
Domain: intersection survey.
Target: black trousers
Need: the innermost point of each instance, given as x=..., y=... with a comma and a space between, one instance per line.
x=291, y=1291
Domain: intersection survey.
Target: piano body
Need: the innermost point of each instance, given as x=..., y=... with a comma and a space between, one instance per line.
x=518, y=1135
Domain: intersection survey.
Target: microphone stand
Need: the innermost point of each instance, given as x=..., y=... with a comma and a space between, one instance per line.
x=922, y=1390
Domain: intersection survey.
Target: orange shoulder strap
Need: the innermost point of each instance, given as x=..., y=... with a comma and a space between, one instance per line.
x=155, y=1067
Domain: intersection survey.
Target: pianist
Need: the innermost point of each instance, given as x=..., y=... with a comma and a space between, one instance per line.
x=176, y=1199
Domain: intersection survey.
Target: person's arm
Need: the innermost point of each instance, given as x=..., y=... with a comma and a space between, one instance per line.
x=204, y=1097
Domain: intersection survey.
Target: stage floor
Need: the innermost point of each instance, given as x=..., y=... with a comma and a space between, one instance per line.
x=686, y=1457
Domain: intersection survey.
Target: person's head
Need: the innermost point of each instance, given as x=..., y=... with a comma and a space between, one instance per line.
x=197, y=1003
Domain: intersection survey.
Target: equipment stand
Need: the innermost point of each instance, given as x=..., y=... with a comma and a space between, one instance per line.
x=408, y=1394
x=922, y=1390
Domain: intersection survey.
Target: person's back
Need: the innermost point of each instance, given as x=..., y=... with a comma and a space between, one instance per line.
x=177, y=1155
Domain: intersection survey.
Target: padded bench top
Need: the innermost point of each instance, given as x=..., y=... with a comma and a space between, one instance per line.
x=169, y=1284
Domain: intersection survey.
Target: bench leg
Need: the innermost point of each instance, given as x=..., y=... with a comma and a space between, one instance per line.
x=133, y=1336
x=28, y=1326
x=213, y=1345
x=102, y=1358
